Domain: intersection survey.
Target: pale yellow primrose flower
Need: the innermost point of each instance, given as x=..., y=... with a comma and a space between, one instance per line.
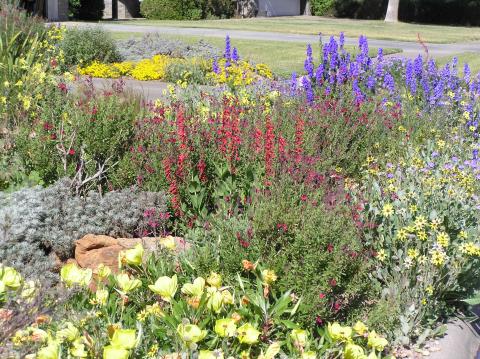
x=10, y=277
x=71, y=274
x=215, y=280
x=272, y=350
x=227, y=297
x=360, y=328
x=101, y=296
x=132, y=256
x=195, y=289
x=339, y=333
x=111, y=352
x=124, y=338
x=215, y=299
x=309, y=355
x=69, y=333
x=77, y=350
x=225, y=327
x=103, y=271
x=248, y=334
x=376, y=342
x=299, y=337
x=165, y=287
x=353, y=351
x=211, y=354
x=190, y=333
x=51, y=351
x=168, y=243
x=127, y=284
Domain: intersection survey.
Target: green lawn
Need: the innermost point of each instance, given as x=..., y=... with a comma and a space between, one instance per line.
x=471, y=58
x=282, y=57
x=332, y=26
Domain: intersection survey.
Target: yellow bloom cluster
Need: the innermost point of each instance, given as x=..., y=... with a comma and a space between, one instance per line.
x=240, y=73
x=147, y=69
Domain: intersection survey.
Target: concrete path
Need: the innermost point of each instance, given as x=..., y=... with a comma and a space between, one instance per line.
x=410, y=49
x=150, y=90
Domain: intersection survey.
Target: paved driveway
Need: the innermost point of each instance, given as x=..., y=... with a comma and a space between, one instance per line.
x=410, y=49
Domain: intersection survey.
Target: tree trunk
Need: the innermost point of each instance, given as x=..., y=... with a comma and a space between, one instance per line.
x=308, y=9
x=392, y=11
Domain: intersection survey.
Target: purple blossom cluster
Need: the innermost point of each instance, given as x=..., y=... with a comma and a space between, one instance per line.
x=420, y=80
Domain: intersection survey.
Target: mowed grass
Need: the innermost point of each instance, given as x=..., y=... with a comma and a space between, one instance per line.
x=470, y=58
x=282, y=57
x=375, y=29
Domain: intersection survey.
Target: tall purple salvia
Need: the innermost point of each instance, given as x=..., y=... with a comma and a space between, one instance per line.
x=235, y=56
x=293, y=84
x=389, y=83
x=418, y=66
x=308, y=64
x=215, y=67
x=359, y=96
x=466, y=73
x=228, y=53
x=341, y=40
x=228, y=49
x=308, y=89
x=371, y=83
x=319, y=74
x=410, y=79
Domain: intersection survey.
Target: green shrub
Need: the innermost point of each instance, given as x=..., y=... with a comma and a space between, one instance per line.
x=83, y=137
x=161, y=9
x=316, y=251
x=186, y=10
x=83, y=46
x=323, y=7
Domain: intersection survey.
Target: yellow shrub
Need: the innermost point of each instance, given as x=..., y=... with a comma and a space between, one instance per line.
x=151, y=69
x=124, y=68
x=97, y=69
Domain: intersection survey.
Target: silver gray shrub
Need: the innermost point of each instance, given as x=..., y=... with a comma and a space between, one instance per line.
x=38, y=225
x=152, y=44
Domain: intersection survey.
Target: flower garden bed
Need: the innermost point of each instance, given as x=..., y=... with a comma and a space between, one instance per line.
x=333, y=216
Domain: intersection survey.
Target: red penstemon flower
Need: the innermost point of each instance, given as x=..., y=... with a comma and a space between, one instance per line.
x=269, y=140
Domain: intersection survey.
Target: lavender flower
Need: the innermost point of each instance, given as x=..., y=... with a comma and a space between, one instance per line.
x=389, y=83
x=308, y=65
x=235, y=56
x=466, y=73
x=319, y=74
x=342, y=40
x=308, y=89
x=215, y=67
x=228, y=52
x=293, y=84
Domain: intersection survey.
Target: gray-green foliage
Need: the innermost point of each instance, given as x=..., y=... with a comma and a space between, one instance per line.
x=39, y=224
x=154, y=44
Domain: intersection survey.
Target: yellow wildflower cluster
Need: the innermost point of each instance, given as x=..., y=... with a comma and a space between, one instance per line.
x=147, y=69
x=240, y=73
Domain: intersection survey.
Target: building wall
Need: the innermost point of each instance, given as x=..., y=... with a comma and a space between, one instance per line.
x=126, y=9
x=278, y=7
x=57, y=10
